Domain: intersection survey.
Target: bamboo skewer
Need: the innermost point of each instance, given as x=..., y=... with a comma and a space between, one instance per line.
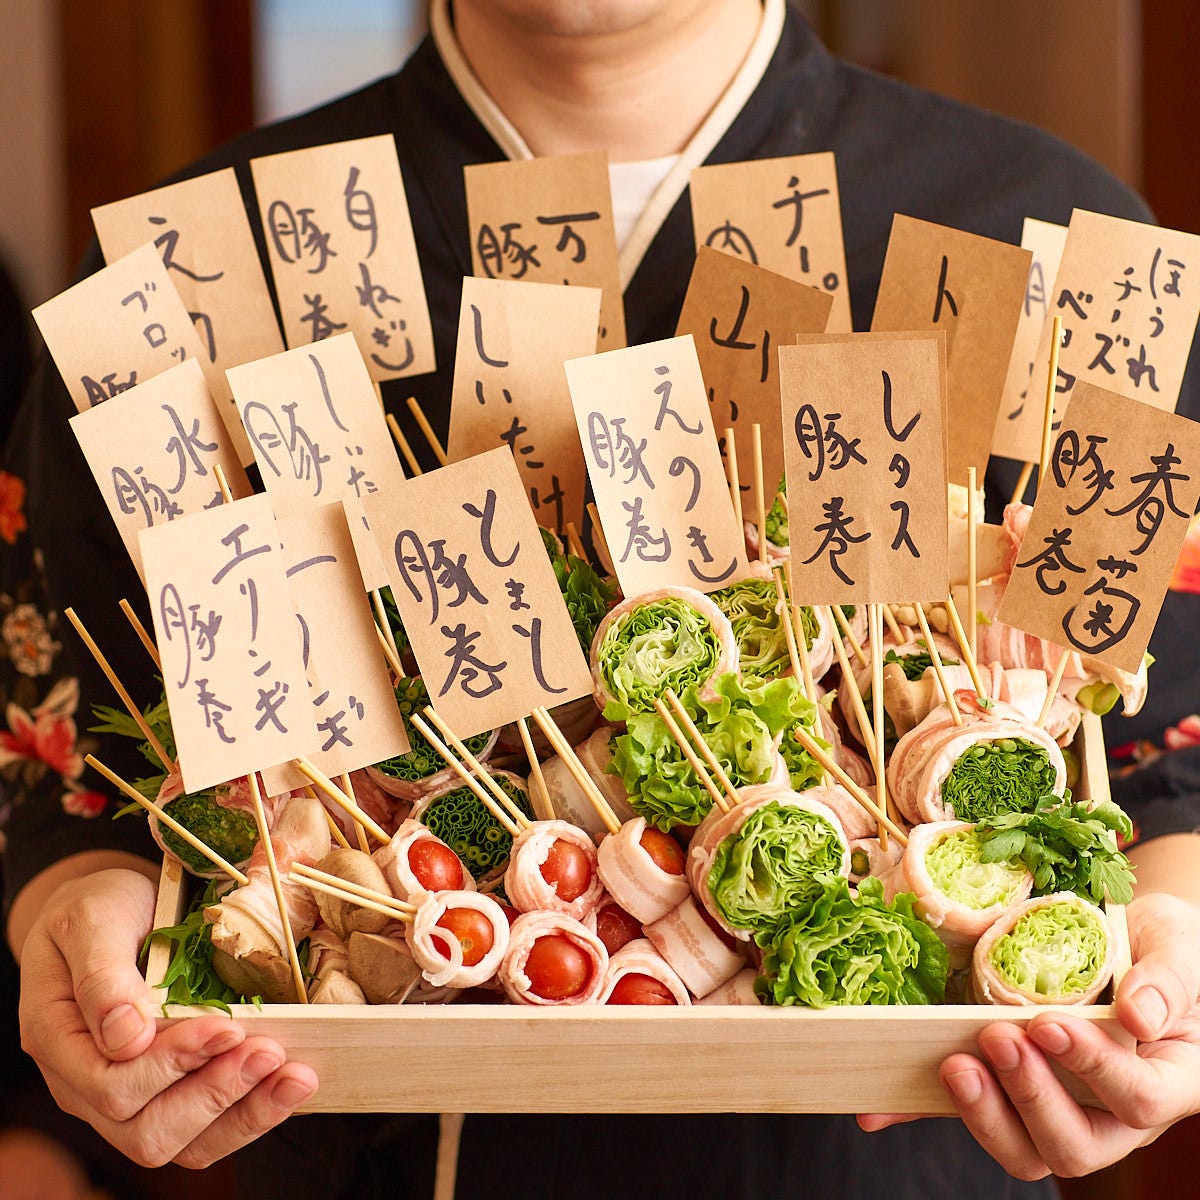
x=573, y=542
x=384, y=625
x=289, y=940
x=484, y=777
x=784, y=611
x=414, y=467
x=760, y=493
x=1048, y=412
x=965, y=646
x=709, y=757
x=599, y=541
x=360, y=833
x=335, y=793
x=972, y=586
x=693, y=761
x=811, y=746
x=892, y=624
x=566, y=752
x=539, y=793
x=499, y=812
x=168, y=762
x=938, y=670
x=875, y=628
x=404, y=907
x=335, y=830
x=810, y=684
x=393, y=659
x=1052, y=688
x=735, y=483
x=192, y=840
x=1018, y=494
x=222, y=483
x=844, y=625
x=850, y=682
x=414, y=407
x=141, y=631
x=338, y=893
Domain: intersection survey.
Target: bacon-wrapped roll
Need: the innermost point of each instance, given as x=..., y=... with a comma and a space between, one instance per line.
x=1056, y=949
x=669, y=638
x=552, y=866
x=553, y=959
x=569, y=800
x=417, y=861
x=458, y=939
x=634, y=878
x=700, y=953
x=638, y=974
x=738, y=990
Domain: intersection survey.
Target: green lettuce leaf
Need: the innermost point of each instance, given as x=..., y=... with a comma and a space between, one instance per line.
x=958, y=870
x=853, y=949
x=1008, y=775
x=587, y=595
x=761, y=637
x=777, y=517
x=1052, y=951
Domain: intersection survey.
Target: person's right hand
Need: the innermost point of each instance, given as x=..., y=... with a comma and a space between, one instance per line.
x=189, y=1093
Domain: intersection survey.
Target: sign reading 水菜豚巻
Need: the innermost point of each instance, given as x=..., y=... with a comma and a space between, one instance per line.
x=863, y=435
x=1110, y=519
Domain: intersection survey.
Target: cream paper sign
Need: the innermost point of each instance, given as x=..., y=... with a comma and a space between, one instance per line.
x=1107, y=528
x=863, y=436
x=341, y=247
x=480, y=604
x=201, y=231
x=548, y=220
x=120, y=327
x=358, y=720
x=153, y=451
x=510, y=388
x=782, y=214
x=318, y=433
x=656, y=473
x=738, y=315
x=229, y=641
x=1129, y=296
x=1018, y=435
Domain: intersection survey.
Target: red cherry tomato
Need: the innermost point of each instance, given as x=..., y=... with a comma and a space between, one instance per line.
x=473, y=930
x=557, y=968
x=616, y=928
x=567, y=870
x=666, y=853
x=636, y=988
x=436, y=866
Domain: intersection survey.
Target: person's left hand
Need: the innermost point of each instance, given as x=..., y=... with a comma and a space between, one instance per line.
x=1022, y=1114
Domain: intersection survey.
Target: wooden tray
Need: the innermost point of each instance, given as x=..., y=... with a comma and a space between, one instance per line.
x=624, y=1059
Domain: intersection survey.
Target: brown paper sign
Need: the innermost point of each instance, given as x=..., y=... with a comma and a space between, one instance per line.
x=510, y=388
x=738, y=315
x=863, y=442
x=318, y=433
x=120, y=327
x=1107, y=528
x=548, y=220
x=1128, y=299
x=153, y=450
x=341, y=247
x=358, y=721
x=782, y=214
x=972, y=287
x=229, y=642
x=475, y=589
x=201, y=231
x=1019, y=421
x=655, y=467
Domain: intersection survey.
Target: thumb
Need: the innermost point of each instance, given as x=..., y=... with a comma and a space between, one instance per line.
x=98, y=924
x=1162, y=986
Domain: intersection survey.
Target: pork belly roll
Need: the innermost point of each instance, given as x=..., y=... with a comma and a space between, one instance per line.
x=417, y=861
x=458, y=939
x=634, y=877
x=568, y=798
x=738, y=990
x=638, y=974
x=1056, y=949
x=701, y=954
x=669, y=638
x=552, y=866
x=553, y=959
x=957, y=893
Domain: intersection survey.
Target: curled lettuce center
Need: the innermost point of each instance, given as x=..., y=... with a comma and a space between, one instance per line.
x=762, y=640
x=778, y=860
x=664, y=644
x=1054, y=950
x=957, y=869
x=1006, y=775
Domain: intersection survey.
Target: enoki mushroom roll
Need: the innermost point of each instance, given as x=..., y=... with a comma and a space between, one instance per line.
x=643, y=870
x=553, y=866
x=638, y=974
x=1056, y=949
x=458, y=939
x=553, y=959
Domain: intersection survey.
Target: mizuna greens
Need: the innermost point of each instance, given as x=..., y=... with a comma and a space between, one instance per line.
x=1008, y=775
x=761, y=638
x=853, y=949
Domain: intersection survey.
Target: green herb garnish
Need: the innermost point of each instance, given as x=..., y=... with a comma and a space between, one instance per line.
x=190, y=978
x=1007, y=775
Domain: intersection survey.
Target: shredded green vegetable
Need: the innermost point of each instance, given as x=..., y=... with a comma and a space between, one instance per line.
x=465, y=825
x=1007, y=775
x=231, y=832
x=762, y=640
x=423, y=760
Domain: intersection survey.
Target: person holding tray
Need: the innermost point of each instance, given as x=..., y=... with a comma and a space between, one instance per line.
x=663, y=86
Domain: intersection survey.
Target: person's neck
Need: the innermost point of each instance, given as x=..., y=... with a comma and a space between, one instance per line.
x=638, y=92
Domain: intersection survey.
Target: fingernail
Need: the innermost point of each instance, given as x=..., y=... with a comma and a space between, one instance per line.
x=1003, y=1054
x=1054, y=1039
x=121, y=1026
x=289, y=1092
x=220, y=1042
x=1150, y=1003
x=258, y=1066
x=965, y=1086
